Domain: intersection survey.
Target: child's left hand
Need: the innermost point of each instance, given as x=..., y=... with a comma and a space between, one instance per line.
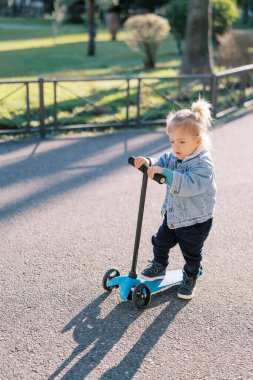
x=152, y=170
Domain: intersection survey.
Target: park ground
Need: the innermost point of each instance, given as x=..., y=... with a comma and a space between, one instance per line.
x=68, y=213
x=30, y=49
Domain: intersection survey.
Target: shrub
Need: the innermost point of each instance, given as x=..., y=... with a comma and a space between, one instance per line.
x=225, y=13
x=113, y=23
x=68, y=11
x=235, y=49
x=144, y=34
x=176, y=13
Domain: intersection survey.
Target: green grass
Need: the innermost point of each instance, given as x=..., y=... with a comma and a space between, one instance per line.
x=37, y=52
x=29, y=49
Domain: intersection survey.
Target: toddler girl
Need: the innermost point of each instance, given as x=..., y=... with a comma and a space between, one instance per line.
x=190, y=198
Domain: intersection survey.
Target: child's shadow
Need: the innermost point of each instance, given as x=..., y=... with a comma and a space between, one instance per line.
x=103, y=333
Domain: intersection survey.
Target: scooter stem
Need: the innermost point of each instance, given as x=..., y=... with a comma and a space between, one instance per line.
x=133, y=273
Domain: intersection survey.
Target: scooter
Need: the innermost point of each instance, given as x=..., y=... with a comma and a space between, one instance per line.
x=132, y=287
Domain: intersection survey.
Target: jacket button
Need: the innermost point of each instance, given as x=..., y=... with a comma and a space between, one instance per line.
x=171, y=225
x=170, y=209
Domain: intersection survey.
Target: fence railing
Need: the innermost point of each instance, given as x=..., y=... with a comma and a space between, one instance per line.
x=47, y=105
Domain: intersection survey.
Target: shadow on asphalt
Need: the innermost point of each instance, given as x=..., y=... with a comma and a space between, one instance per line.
x=65, y=159
x=15, y=145
x=97, y=336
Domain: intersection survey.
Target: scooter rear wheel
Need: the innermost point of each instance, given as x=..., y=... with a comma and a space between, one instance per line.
x=141, y=296
x=109, y=275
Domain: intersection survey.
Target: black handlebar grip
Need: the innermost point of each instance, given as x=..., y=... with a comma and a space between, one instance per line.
x=159, y=178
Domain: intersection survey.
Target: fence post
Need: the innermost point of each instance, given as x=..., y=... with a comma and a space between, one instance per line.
x=42, y=108
x=28, y=112
x=138, y=101
x=242, y=87
x=127, y=101
x=55, y=105
x=214, y=95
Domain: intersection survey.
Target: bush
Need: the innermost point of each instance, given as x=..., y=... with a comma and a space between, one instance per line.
x=176, y=13
x=224, y=15
x=144, y=34
x=113, y=23
x=68, y=11
x=235, y=49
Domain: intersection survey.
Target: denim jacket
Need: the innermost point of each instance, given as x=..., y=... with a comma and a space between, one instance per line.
x=191, y=197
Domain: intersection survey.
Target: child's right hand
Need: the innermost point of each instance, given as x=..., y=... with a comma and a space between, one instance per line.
x=139, y=161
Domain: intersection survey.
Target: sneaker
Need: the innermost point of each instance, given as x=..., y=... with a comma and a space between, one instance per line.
x=153, y=272
x=186, y=287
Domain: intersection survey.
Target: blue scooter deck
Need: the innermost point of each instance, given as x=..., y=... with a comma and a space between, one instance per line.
x=172, y=277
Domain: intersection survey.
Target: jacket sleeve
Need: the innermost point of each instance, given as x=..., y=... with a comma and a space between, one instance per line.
x=161, y=161
x=195, y=181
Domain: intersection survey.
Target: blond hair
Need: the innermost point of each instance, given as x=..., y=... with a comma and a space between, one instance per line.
x=197, y=120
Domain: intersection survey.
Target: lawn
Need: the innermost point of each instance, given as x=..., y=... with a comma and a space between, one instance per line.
x=30, y=50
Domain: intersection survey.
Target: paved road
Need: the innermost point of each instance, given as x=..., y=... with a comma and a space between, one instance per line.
x=68, y=213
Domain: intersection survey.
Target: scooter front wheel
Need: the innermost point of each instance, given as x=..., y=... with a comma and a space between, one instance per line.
x=141, y=296
x=109, y=275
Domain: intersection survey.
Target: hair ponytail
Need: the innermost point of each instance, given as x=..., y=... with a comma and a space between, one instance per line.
x=202, y=108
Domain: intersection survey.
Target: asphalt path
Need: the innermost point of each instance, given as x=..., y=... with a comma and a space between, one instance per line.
x=68, y=213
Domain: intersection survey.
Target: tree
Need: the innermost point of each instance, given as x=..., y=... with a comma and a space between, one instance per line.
x=68, y=11
x=197, y=56
x=177, y=15
x=109, y=11
x=247, y=7
x=224, y=13
x=61, y=14
x=48, y=6
x=75, y=12
x=149, y=5
x=235, y=49
x=144, y=33
x=91, y=48
x=113, y=21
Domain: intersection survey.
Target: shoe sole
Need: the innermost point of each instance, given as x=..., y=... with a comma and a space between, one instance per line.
x=142, y=277
x=185, y=297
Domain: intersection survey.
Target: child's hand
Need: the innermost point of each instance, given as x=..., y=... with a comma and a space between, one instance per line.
x=154, y=170
x=140, y=161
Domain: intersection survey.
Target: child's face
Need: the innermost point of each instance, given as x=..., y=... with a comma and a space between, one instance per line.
x=183, y=143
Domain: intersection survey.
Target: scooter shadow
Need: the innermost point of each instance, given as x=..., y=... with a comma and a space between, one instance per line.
x=129, y=365
x=96, y=336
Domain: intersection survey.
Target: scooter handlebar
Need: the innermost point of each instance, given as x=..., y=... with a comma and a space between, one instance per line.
x=159, y=178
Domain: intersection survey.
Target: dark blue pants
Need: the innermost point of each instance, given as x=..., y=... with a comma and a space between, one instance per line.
x=190, y=239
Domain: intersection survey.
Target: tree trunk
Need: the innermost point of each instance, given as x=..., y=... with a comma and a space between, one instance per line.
x=179, y=47
x=245, y=12
x=149, y=60
x=198, y=55
x=91, y=27
x=113, y=24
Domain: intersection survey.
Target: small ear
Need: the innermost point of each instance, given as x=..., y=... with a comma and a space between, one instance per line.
x=199, y=140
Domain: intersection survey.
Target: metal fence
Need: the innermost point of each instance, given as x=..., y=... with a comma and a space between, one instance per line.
x=47, y=105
